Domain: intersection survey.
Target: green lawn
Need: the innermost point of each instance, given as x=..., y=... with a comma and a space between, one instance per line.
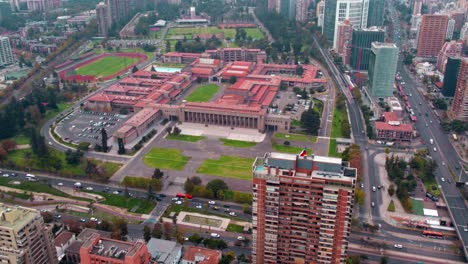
x=101, y=215
x=106, y=66
x=188, y=138
x=318, y=105
x=228, y=166
x=418, y=207
x=255, y=33
x=296, y=123
x=296, y=137
x=235, y=228
x=53, y=112
x=166, y=158
x=338, y=118
x=288, y=149
x=21, y=139
x=237, y=143
x=203, y=93
x=134, y=205
x=391, y=206
x=332, y=149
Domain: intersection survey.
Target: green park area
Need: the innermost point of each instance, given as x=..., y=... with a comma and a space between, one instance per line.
x=166, y=158
x=332, y=149
x=187, y=138
x=134, y=205
x=21, y=139
x=296, y=137
x=106, y=66
x=340, y=124
x=53, y=112
x=203, y=93
x=228, y=166
x=101, y=215
x=235, y=228
x=391, y=206
x=254, y=33
x=417, y=207
x=237, y=143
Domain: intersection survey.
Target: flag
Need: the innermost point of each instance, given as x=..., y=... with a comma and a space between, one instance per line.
x=303, y=153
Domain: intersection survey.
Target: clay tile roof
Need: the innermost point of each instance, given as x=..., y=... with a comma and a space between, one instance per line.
x=203, y=255
x=63, y=238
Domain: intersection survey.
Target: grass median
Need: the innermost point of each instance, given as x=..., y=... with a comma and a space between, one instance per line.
x=296, y=137
x=238, y=143
x=188, y=138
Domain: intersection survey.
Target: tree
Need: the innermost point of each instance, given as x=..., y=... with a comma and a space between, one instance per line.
x=104, y=140
x=216, y=185
x=286, y=143
x=150, y=192
x=310, y=121
x=120, y=228
x=121, y=146
x=391, y=190
x=195, y=238
x=168, y=46
x=8, y=145
x=283, y=86
x=384, y=260
x=73, y=157
x=299, y=70
x=176, y=131
x=440, y=104
x=134, y=69
x=157, y=230
x=48, y=217
x=157, y=174
x=146, y=233
x=188, y=186
x=196, y=180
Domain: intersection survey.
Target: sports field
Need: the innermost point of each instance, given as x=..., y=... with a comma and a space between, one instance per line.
x=254, y=33
x=106, y=66
x=203, y=93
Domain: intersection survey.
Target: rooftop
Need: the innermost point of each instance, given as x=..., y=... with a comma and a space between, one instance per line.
x=163, y=251
x=97, y=245
x=16, y=217
x=201, y=255
x=63, y=238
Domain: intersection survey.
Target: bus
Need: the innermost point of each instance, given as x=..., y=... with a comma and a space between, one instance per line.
x=183, y=195
x=31, y=177
x=432, y=234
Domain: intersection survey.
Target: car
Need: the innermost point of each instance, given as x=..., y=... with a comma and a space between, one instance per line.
x=175, y=199
x=186, y=239
x=435, y=149
x=215, y=207
x=57, y=216
x=178, y=202
x=199, y=206
x=443, y=163
x=215, y=235
x=232, y=214
x=89, y=188
x=373, y=188
x=362, y=185
x=465, y=228
x=60, y=184
x=420, y=103
x=240, y=238
x=227, y=210
x=6, y=175
x=372, y=204
x=82, y=220
x=162, y=195
x=115, y=192
x=399, y=246
x=94, y=219
x=50, y=143
x=442, y=179
x=211, y=202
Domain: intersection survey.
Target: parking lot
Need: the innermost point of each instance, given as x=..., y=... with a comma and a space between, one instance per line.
x=287, y=102
x=85, y=126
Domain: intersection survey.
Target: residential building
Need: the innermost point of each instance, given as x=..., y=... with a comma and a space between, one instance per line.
x=417, y=7
x=361, y=46
x=104, y=19
x=6, y=54
x=199, y=255
x=336, y=11
x=463, y=4
x=62, y=242
x=97, y=249
x=376, y=13
x=273, y=5
x=119, y=9
x=449, y=49
x=302, y=208
x=24, y=237
x=452, y=68
x=460, y=100
x=345, y=35
x=302, y=6
x=164, y=251
x=288, y=9
x=431, y=35
x=72, y=252
x=464, y=33
x=43, y=5
x=320, y=10
x=450, y=27
x=382, y=69
x=391, y=129
x=237, y=54
x=15, y=5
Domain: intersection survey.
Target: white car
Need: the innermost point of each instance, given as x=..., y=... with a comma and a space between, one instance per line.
x=372, y=204
x=442, y=179
x=60, y=184
x=465, y=228
x=398, y=246
x=212, y=202
x=115, y=192
x=240, y=238
x=443, y=163
x=178, y=202
x=215, y=235
x=6, y=175
x=89, y=188
x=199, y=206
x=94, y=219
x=232, y=214
x=175, y=199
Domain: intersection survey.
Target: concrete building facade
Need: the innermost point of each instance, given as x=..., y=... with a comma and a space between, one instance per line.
x=460, y=100
x=302, y=207
x=449, y=49
x=382, y=69
x=361, y=46
x=6, y=54
x=320, y=10
x=336, y=11
x=24, y=237
x=417, y=7
x=376, y=13
x=120, y=9
x=431, y=35
x=450, y=28
x=43, y=5
x=391, y=129
x=345, y=36
x=452, y=68
x=104, y=19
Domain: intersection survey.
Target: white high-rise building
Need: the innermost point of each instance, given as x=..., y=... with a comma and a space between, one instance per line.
x=320, y=9
x=464, y=33
x=6, y=54
x=450, y=27
x=336, y=11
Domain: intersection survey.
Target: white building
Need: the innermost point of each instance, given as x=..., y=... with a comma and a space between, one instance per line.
x=320, y=9
x=163, y=251
x=6, y=54
x=336, y=11
x=464, y=33
x=450, y=27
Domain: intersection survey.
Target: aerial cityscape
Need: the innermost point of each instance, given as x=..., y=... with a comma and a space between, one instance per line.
x=233, y=131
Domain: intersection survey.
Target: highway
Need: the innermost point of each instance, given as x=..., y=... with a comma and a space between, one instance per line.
x=444, y=154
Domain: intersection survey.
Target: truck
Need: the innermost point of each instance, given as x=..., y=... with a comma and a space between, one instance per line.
x=431, y=141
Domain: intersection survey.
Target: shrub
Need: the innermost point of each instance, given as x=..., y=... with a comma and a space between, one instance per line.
x=84, y=146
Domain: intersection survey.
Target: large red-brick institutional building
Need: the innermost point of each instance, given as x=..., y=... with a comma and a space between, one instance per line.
x=244, y=104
